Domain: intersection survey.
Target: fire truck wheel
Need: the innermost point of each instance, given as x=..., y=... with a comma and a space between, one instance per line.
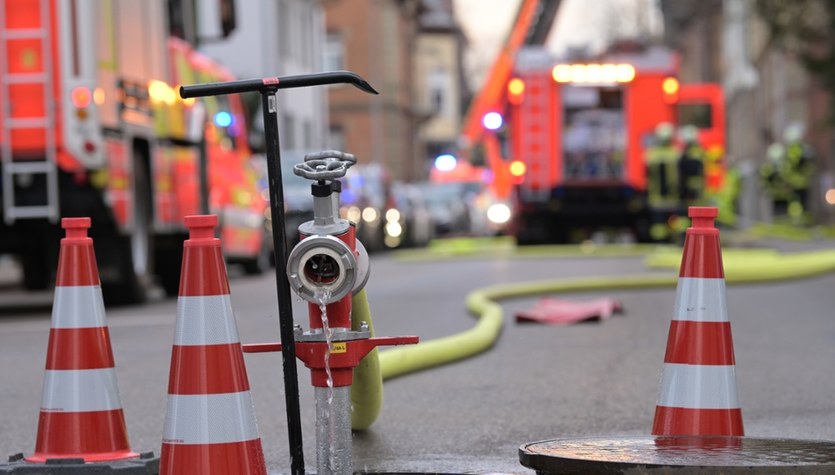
x=260, y=263
x=167, y=262
x=130, y=255
x=35, y=266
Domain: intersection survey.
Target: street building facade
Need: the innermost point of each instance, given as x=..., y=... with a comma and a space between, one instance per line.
x=281, y=38
x=441, y=87
x=375, y=39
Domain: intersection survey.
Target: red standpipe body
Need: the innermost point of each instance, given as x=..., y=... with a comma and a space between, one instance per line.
x=341, y=357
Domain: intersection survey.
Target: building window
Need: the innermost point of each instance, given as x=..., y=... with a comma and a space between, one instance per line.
x=307, y=130
x=438, y=82
x=288, y=135
x=306, y=35
x=334, y=59
x=285, y=32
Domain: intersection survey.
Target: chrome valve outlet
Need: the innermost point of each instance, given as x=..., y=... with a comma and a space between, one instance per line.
x=322, y=269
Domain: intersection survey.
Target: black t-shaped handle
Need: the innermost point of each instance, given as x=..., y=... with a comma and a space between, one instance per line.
x=273, y=84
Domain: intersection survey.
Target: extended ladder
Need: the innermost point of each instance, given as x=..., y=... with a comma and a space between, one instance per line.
x=20, y=44
x=536, y=139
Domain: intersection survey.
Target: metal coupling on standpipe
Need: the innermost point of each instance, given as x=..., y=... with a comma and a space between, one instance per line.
x=322, y=269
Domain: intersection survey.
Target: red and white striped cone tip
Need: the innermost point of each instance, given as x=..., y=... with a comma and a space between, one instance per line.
x=210, y=424
x=698, y=394
x=81, y=412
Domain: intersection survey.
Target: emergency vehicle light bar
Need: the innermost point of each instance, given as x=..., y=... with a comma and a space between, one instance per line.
x=593, y=73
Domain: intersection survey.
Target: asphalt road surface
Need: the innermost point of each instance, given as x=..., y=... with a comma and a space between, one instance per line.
x=536, y=383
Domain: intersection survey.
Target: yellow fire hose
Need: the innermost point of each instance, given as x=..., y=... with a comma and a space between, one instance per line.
x=367, y=389
x=742, y=266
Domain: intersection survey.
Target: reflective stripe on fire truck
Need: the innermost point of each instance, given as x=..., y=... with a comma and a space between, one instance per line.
x=118, y=189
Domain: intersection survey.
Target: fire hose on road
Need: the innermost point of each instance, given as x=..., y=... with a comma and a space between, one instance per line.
x=741, y=267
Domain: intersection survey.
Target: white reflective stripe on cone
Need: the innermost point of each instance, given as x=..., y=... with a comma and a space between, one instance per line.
x=701, y=300
x=80, y=390
x=209, y=419
x=78, y=307
x=698, y=386
x=216, y=327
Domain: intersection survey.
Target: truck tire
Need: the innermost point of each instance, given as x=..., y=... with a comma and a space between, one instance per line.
x=38, y=258
x=129, y=257
x=259, y=264
x=168, y=262
x=35, y=267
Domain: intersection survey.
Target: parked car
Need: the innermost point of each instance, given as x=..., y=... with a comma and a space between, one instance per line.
x=366, y=196
x=448, y=204
x=409, y=223
x=490, y=214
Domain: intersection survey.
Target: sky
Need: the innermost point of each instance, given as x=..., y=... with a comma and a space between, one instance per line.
x=487, y=22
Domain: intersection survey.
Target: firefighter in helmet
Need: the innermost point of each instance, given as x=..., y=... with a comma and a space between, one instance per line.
x=787, y=174
x=663, y=193
x=799, y=170
x=773, y=180
x=691, y=167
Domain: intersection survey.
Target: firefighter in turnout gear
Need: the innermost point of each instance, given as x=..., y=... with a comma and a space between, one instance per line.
x=773, y=181
x=786, y=176
x=663, y=192
x=691, y=167
x=799, y=170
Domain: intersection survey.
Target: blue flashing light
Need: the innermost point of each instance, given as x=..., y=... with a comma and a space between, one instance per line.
x=445, y=162
x=492, y=121
x=348, y=196
x=223, y=119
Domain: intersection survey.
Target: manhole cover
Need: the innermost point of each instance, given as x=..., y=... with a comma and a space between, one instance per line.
x=678, y=455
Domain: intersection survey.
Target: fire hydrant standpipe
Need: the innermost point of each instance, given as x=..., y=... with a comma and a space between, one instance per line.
x=326, y=269
x=267, y=87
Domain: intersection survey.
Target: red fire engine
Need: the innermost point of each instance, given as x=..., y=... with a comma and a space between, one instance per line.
x=575, y=138
x=92, y=126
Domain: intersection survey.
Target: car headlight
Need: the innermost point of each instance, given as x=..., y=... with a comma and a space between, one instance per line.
x=393, y=229
x=392, y=215
x=498, y=213
x=369, y=215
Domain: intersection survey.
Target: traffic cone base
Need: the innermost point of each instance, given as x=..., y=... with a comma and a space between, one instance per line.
x=246, y=457
x=698, y=399
x=86, y=438
x=680, y=420
x=211, y=434
x=81, y=413
x=698, y=394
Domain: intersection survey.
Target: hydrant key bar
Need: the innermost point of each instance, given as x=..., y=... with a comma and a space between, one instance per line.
x=343, y=355
x=261, y=347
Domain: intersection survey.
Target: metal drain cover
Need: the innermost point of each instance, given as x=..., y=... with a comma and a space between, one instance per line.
x=678, y=455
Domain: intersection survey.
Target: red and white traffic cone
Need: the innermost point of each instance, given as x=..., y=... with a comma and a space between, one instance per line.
x=698, y=393
x=210, y=424
x=81, y=411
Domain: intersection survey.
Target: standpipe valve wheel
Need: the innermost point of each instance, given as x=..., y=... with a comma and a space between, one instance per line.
x=325, y=165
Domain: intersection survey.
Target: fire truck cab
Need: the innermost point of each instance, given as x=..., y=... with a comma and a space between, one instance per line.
x=577, y=134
